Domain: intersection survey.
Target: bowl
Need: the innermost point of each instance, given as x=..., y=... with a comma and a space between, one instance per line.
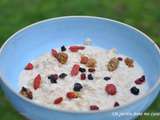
x=41, y=37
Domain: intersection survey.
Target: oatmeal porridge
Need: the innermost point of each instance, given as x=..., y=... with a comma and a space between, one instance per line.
x=82, y=78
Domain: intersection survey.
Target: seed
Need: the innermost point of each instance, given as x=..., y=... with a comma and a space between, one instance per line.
x=63, y=48
x=112, y=64
x=83, y=76
x=77, y=87
x=94, y=107
x=110, y=89
x=91, y=70
x=29, y=66
x=53, y=78
x=107, y=78
x=72, y=95
x=129, y=62
x=62, y=57
x=90, y=77
x=37, y=82
x=58, y=100
x=134, y=90
x=62, y=75
x=84, y=60
x=82, y=69
x=116, y=104
x=75, y=70
x=91, y=62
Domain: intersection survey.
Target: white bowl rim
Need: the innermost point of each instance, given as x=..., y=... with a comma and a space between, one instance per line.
x=81, y=112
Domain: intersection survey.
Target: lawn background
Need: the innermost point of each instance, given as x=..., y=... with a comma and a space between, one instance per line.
x=16, y=14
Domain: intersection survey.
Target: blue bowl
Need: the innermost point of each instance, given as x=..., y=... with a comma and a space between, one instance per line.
x=40, y=37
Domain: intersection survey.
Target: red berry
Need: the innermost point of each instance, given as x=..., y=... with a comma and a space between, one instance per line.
x=140, y=80
x=71, y=95
x=83, y=76
x=58, y=100
x=76, y=48
x=94, y=107
x=29, y=66
x=54, y=53
x=75, y=70
x=84, y=60
x=110, y=89
x=37, y=82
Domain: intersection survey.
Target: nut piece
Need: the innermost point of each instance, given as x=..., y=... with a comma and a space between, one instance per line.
x=62, y=57
x=112, y=64
x=91, y=63
x=129, y=62
x=26, y=93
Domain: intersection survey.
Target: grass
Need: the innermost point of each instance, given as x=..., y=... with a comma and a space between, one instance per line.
x=16, y=14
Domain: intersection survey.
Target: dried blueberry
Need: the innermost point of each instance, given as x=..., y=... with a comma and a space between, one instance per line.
x=82, y=69
x=107, y=78
x=53, y=78
x=134, y=90
x=77, y=87
x=90, y=77
x=62, y=75
x=116, y=104
x=63, y=48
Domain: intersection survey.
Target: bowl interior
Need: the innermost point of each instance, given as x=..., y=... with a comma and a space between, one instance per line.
x=40, y=38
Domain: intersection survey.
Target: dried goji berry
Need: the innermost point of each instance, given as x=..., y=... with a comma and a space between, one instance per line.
x=58, y=100
x=54, y=53
x=76, y=48
x=37, y=82
x=75, y=70
x=72, y=95
x=29, y=66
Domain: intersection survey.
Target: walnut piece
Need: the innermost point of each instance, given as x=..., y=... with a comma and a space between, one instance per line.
x=26, y=93
x=129, y=62
x=91, y=63
x=112, y=64
x=62, y=57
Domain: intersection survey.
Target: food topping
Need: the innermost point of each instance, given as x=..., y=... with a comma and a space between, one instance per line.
x=58, y=100
x=63, y=48
x=113, y=64
x=94, y=107
x=37, y=82
x=72, y=95
x=134, y=90
x=76, y=48
x=54, y=53
x=62, y=57
x=29, y=66
x=53, y=78
x=129, y=62
x=110, y=89
x=84, y=60
x=75, y=70
x=26, y=93
x=77, y=87
x=140, y=80
x=91, y=63
x=62, y=75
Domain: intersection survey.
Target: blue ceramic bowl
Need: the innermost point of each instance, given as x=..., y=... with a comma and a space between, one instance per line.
x=40, y=37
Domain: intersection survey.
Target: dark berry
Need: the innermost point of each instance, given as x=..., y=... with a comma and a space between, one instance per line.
x=83, y=76
x=91, y=70
x=82, y=69
x=120, y=58
x=62, y=75
x=140, y=80
x=107, y=78
x=53, y=78
x=77, y=87
x=90, y=77
x=116, y=104
x=63, y=48
x=94, y=107
x=134, y=91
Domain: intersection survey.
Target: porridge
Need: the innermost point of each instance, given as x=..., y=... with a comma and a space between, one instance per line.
x=82, y=78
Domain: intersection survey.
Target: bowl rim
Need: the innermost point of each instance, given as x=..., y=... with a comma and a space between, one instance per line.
x=79, y=17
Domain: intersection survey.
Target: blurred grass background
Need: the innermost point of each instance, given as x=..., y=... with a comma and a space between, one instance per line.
x=16, y=14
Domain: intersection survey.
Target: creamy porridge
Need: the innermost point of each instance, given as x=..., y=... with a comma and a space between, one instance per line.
x=82, y=78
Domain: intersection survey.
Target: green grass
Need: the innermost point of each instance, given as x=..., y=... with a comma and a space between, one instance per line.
x=16, y=14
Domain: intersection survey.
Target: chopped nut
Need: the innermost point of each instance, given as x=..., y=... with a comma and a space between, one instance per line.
x=91, y=63
x=62, y=57
x=113, y=64
x=26, y=93
x=129, y=62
